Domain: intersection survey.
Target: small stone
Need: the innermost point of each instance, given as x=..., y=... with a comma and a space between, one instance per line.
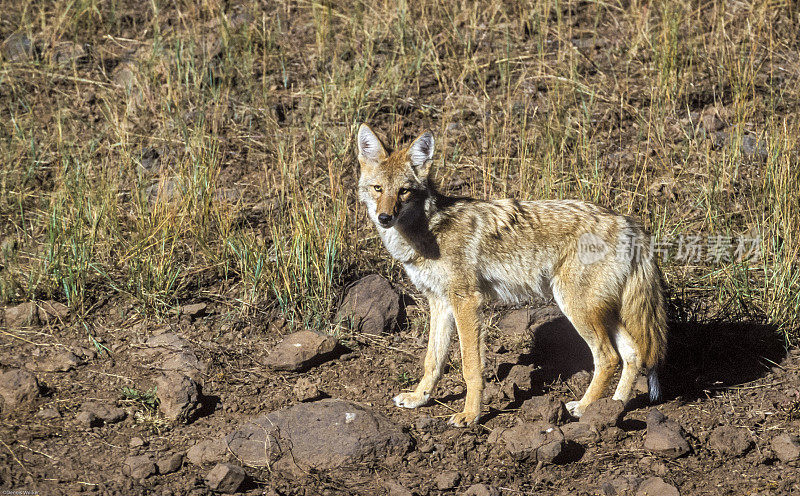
x=95, y=414
x=301, y=350
x=603, y=413
x=305, y=390
x=48, y=414
x=136, y=442
x=730, y=441
x=481, y=490
x=18, y=386
x=447, y=480
x=208, y=451
x=88, y=420
x=23, y=315
x=138, y=467
x=371, y=305
x=179, y=396
x=547, y=408
x=63, y=361
x=580, y=432
x=655, y=486
x=786, y=447
x=664, y=436
x=534, y=441
x=170, y=464
x=518, y=383
x=194, y=311
x=516, y=323
x=17, y=48
x=50, y=310
x=225, y=478
x=394, y=488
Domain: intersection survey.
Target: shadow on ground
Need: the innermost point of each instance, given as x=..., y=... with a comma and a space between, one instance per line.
x=702, y=359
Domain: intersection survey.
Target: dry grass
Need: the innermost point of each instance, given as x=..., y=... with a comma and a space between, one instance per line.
x=198, y=150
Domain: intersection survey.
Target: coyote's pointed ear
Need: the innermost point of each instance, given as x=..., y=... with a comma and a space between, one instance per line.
x=370, y=148
x=421, y=154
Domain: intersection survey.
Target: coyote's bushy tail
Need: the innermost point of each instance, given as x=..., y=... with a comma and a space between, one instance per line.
x=644, y=316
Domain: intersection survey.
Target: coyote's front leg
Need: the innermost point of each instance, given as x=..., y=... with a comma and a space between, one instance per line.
x=466, y=311
x=438, y=344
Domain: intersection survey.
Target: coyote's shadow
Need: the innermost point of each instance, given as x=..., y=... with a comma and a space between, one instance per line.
x=702, y=357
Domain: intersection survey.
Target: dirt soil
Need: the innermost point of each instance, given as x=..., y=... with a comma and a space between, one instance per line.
x=50, y=449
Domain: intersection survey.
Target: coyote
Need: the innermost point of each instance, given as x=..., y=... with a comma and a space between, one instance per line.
x=461, y=252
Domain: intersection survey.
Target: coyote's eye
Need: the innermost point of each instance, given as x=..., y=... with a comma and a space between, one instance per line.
x=378, y=188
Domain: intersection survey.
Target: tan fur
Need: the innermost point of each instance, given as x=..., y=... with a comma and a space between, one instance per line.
x=461, y=252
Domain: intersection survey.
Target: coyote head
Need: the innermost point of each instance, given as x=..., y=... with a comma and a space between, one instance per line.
x=391, y=185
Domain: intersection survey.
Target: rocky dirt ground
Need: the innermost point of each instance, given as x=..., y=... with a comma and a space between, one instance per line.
x=206, y=402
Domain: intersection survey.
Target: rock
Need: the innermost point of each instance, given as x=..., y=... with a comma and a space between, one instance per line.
x=48, y=414
x=66, y=52
x=786, y=447
x=136, y=442
x=17, y=48
x=394, y=488
x=517, y=384
x=447, y=480
x=23, y=315
x=170, y=464
x=547, y=408
x=50, y=310
x=63, y=361
x=194, y=311
x=88, y=420
x=655, y=486
x=516, y=323
x=179, y=396
x=225, y=478
x=371, y=305
x=730, y=441
x=603, y=413
x=170, y=352
x=533, y=441
x=481, y=490
x=301, y=350
x=138, y=467
x=664, y=436
x=305, y=390
x=711, y=119
x=18, y=386
x=95, y=414
x=208, y=451
x=321, y=435
x=580, y=432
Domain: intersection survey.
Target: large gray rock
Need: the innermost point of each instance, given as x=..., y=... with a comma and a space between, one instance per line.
x=321, y=435
x=532, y=441
x=371, y=305
x=664, y=436
x=301, y=350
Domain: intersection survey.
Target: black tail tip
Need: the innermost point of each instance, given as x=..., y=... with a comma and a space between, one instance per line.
x=654, y=386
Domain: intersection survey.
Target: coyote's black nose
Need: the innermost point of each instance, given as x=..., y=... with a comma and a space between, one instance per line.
x=385, y=220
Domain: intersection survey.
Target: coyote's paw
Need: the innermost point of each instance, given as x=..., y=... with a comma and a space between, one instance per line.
x=410, y=400
x=574, y=408
x=463, y=419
